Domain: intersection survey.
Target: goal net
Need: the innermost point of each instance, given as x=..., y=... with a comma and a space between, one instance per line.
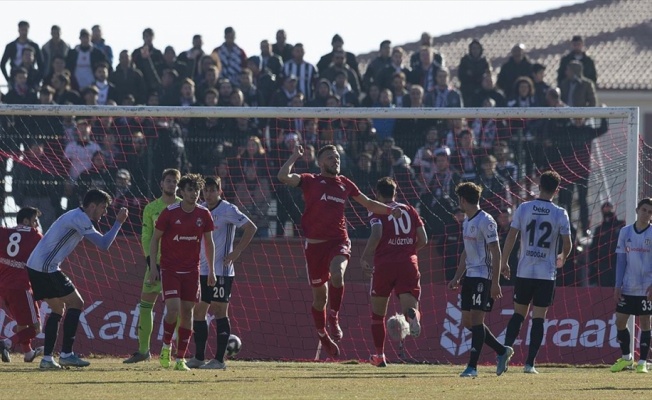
x=51, y=155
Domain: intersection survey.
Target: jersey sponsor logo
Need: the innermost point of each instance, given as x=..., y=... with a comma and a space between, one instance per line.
x=199, y=222
x=325, y=197
x=178, y=222
x=636, y=250
x=322, y=182
x=12, y=263
x=540, y=210
x=179, y=238
x=316, y=281
x=397, y=241
x=342, y=187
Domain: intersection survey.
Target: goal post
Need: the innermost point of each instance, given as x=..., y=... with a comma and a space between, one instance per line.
x=270, y=306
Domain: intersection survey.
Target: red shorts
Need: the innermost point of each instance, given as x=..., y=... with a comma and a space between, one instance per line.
x=22, y=306
x=182, y=285
x=403, y=278
x=319, y=257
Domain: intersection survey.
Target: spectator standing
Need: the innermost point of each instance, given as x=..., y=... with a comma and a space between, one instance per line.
x=53, y=48
x=128, y=80
x=306, y=73
x=81, y=61
x=576, y=90
x=602, y=251
x=100, y=44
x=14, y=50
x=282, y=47
x=193, y=56
x=349, y=58
x=577, y=53
x=232, y=57
x=517, y=65
x=147, y=58
x=472, y=69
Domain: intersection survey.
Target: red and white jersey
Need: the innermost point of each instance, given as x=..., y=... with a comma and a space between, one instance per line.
x=182, y=236
x=398, y=243
x=16, y=245
x=325, y=199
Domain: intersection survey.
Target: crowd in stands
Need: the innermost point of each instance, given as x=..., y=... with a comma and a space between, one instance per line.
x=55, y=157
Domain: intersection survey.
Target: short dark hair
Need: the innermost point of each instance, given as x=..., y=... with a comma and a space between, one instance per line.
x=23, y=23
x=386, y=187
x=171, y=172
x=538, y=67
x=194, y=180
x=549, y=181
x=27, y=213
x=384, y=43
x=577, y=38
x=96, y=196
x=18, y=70
x=148, y=31
x=326, y=148
x=469, y=191
x=215, y=181
x=645, y=201
x=229, y=29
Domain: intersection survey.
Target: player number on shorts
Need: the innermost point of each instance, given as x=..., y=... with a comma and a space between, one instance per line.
x=476, y=299
x=647, y=305
x=14, y=244
x=402, y=224
x=218, y=292
x=546, y=229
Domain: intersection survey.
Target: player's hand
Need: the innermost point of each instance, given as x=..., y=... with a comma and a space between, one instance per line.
x=496, y=291
x=211, y=280
x=506, y=271
x=297, y=152
x=367, y=268
x=122, y=215
x=561, y=260
x=154, y=274
x=454, y=284
x=396, y=212
x=649, y=293
x=231, y=257
x=618, y=295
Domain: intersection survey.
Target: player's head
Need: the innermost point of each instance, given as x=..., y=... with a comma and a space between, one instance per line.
x=469, y=195
x=212, y=189
x=549, y=182
x=644, y=211
x=189, y=187
x=169, y=181
x=95, y=203
x=329, y=160
x=386, y=189
x=28, y=216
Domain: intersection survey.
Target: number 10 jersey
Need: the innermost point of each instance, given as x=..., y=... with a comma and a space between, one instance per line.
x=541, y=224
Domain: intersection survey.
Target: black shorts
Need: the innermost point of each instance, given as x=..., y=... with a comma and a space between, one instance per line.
x=220, y=293
x=50, y=285
x=539, y=292
x=476, y=294
x=634, y=305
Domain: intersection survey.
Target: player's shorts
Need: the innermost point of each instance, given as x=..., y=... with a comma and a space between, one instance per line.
x=151, y=287
x=49, y=285
x=539, y=292
x=402, y=278
x=476, y=294
x=634, y=305
x=184, y=286
x=22, y=306
x=220, y=293
x=319, y=257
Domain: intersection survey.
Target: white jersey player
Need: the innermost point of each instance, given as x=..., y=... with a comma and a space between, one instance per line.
x=541, y=225
x=226, y=218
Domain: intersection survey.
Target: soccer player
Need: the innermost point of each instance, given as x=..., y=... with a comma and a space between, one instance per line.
x=391, y=253
x=180, y=229
x=480, y=265
x=328, y=247
x=49, y=283
x=150, y=291
x=633, y=291
x=226, y=217
x=16, y=244
x=541, y=224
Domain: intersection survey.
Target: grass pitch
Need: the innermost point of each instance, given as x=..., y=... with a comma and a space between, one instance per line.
x=108, y=378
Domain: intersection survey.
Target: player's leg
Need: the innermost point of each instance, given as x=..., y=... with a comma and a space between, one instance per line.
x=51, y=331
x=25, y=311
x=467, y=300
x=173, y=308
x=522, y=299
x=623, y=336
x=74, y=305
x=337, y=268
x=185, y=332
x=148, y=296
x=477, y=336
x=220, y=309
x=536, y=337
x=199, y=323
x=378, y=330
x=409, y=288
x=644, y=349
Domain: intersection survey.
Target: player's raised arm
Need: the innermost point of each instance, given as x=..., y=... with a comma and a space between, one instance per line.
x=284, y=174
x=377, y=207
x=104, y=241
x=372, y=243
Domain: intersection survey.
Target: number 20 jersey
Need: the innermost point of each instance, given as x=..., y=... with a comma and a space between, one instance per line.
x=541, y=224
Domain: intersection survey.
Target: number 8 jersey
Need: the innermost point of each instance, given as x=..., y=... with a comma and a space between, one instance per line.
x=541, y=224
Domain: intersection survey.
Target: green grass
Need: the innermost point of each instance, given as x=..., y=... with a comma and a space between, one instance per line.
x=108, y=378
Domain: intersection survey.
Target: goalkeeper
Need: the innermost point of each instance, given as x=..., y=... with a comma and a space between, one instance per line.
x=150, y=291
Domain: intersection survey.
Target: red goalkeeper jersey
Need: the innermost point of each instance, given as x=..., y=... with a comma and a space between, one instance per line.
x=16, y=244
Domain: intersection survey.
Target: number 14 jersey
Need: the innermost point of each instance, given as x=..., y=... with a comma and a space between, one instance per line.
x=541, y=224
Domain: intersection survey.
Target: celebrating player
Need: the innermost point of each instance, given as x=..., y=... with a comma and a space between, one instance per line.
x=226, y=218
x=633, y=291
x=328, y=247
x=393, y=246
x=541, y=224
x=150, y=291
x=16, y=244
x=180, y=228
x=481, y=262
x=52, y=285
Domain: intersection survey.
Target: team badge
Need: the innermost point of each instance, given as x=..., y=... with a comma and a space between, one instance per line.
x=647, y=242
x=480, y=288
x=473, y=229
x=342, y=187
x=199, y=222
x=491, y=227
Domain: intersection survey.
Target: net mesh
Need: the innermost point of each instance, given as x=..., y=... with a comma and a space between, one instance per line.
x=52, y=160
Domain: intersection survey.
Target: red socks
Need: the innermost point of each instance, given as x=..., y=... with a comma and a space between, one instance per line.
x=378, y=332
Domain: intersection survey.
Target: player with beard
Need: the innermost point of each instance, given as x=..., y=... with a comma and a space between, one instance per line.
x=327, y=247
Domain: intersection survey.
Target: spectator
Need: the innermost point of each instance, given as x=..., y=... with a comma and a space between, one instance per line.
x=451, y=244
x=106, y=89
x=305, y=72
x=168, y=89
x=442, y=95
x=269, y=60
x=471, y=72
x=128, y=80
x=14, y=51
x=517, y=65
x=55, y=47
x=426, y=60
x=79, y=152
x=339, y=65
x=282, y=47
x=193, y=56
x=224, y=88
x=21, y=92
x=63, y=94
x=439, y=199
x=123, y=196
x=323, y=92
x=495, y=189
x=424, y=160
x=415, y=97
x=409, y=133
x=384, y=126
x=488, y=130
x=465, y=157
x=136, y=161
x=488, y=90
x=386, y=75
x=99, y=43
x=410, y=186
x=232, y=57
x=169, y=150
x=372, y=97
x=349, y=58
x=540, y=86
x=170, y=61
x=81, y=61
x=602, y=251
x=147, y=59
x=504, y=165
x=378, y=64
x=253, y=197
x=210, y=81
x=264, y=80
x=576, y=90
x=577, y=53
x=57, y=67
x=99, y=175
x=450, y=136
x=282, y=96
x=399, y=89
x=90, y=95
x=343, y=89
x=34, y=76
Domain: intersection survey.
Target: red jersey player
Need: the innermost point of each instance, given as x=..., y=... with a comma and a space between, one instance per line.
x=393, y=246
x=180, y=228
x=327, y=247
x=16, y=244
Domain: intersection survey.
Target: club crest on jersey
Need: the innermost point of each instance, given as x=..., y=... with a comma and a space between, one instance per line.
x=342, y=187
x=491, y=227
x=480, y=288
x=472, y=229
x=199, y=222
x=647, y=242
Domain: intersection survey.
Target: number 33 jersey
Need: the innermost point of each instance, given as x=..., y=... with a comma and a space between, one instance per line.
x=637, y=247
x=541, y=224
